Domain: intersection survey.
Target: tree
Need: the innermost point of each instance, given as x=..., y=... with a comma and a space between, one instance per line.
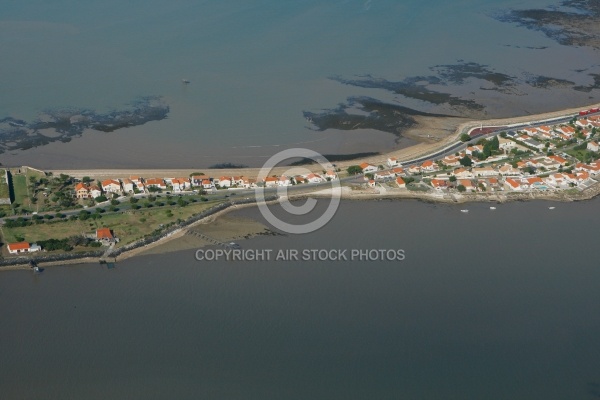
x=115, y=202
x=487, y=150
x=461, y=188
x=196, y=173
x=503, y=134
x=452, y=178
x=465, y=137
x=100, y=199
x=86, y=179
x=466, y=161
x=133, y=200
x=495, y=143
x=83, y=215
x=354, y=169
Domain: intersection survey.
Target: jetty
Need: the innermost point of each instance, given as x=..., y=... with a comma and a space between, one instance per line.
x=212, y=240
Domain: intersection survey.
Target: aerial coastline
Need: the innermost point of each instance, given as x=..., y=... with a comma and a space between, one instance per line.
x=436, y=182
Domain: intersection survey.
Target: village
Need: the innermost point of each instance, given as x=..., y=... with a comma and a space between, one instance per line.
x=72, y=201
x=545, y=158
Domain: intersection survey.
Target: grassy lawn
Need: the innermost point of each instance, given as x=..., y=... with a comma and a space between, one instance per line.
x=416, y=187
x=20, y=187
x=128, y=227
x=581, y=155
x=4, y=193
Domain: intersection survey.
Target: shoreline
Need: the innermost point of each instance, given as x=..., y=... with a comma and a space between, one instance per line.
x=362, y=195
x=409, y=153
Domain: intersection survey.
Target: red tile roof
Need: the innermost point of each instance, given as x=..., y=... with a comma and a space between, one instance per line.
x=18, y=246
x=104, y=233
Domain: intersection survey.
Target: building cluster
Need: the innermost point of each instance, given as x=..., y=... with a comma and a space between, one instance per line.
x=541, y=170
x=104, y=236
x=136, y=184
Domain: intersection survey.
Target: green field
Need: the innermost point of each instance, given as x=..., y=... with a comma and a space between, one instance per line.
x=4, y=192
x=20, y=188
x=128, y=227
x=582, y=155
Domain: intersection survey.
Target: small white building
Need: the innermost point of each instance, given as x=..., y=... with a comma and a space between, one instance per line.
x=393, y=162
x=284, y=181
x=225, y=181
x=22, y=247
x=368, y=168
x=111, y=186
x=314, y=178
x=128, y=185
x=383, y=175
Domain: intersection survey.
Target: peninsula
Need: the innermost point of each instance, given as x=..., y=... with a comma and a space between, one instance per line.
x=101, y=214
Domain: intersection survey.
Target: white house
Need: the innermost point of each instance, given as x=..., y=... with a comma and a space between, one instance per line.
x=414, y=169
x=393, y=162
x=400, y=182
x=368, y=168
x=593, y=146
x=156, y=182
x=484, y=171
x=225, y=181
x=95, y=191
x=22, y=247
x=382, y=175
x=248, y=183
x=284, y=181
x=271, y=181
x=180, y=184
x=514, y=184
x=111, y=186
x=451, y=161
x=128, y=185
x=506, y=144
x=138, y=182
x=398, y=171
x=237, y=181
x=472, y=149
x=331, y=175
x=313, y=178
x=508, y=170
x=429, y=166
x=462, y=173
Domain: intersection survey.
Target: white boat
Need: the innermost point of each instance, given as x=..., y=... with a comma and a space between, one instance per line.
x=185, y=81
x=551, y=208
x=492, y=208
x=465, y=211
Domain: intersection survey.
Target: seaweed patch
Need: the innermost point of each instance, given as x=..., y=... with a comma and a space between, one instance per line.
x=575, y=23
x=64, y=124
x=376, y=115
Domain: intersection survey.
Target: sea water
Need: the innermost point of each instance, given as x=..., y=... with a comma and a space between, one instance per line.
x=254, y=67
x=499, y=304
